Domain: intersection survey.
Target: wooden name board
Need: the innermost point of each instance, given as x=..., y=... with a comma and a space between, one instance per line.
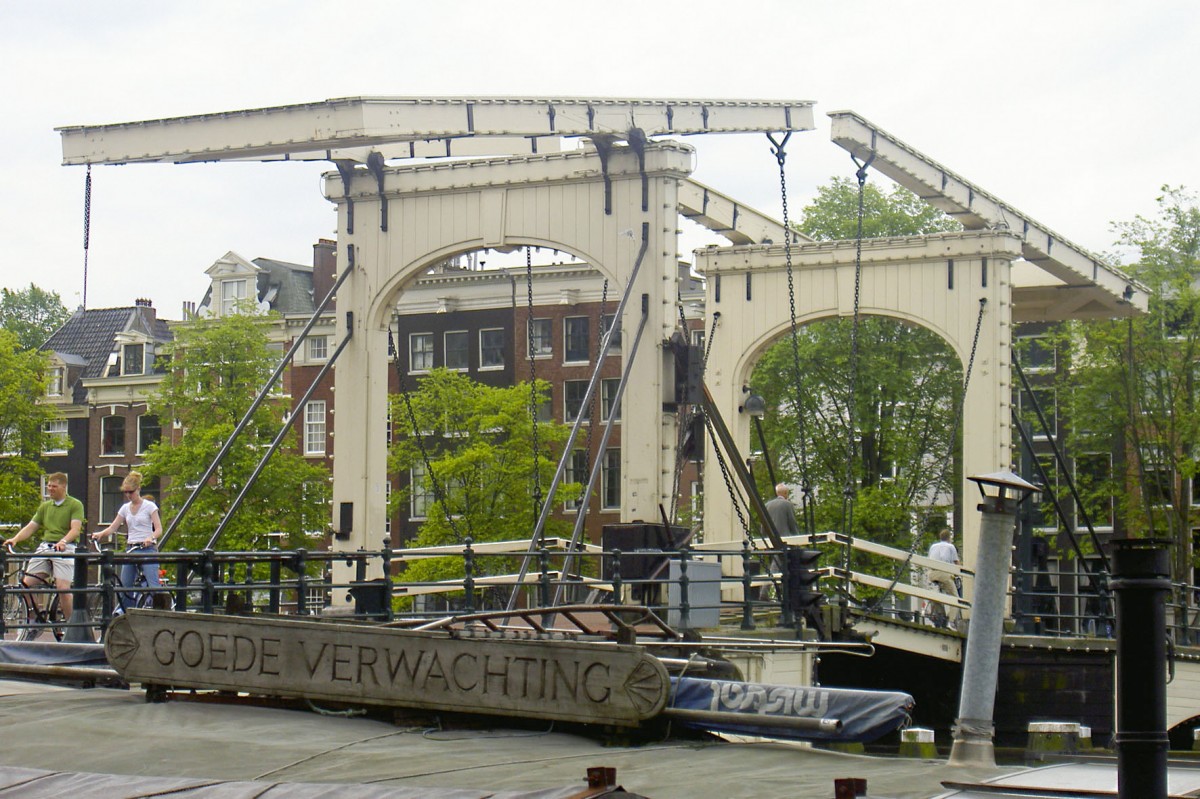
x=562, y=680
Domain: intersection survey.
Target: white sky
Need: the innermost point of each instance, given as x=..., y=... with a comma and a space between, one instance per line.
x=1075, y=113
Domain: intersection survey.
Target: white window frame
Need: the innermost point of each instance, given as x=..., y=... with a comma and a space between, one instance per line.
x=56, y=430
x=608, y=393
x=314, y=428
x=317, y=348
x=110, y=499
x=233, y=291
x=611, y=472
x=420, y=353
x=419, y=497
x=569, y=322
x=577, y=472
x=104, y=431
x=126, y=367
x=569, y=417
x=466, y=349
x=610, y=320
x=56, y=383
x=141, y=445
x=483, y=364
x=540, y=341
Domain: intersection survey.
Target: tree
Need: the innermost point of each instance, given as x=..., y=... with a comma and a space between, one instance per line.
x=23, y=420
x=32, y=314
x=217, y=369
x=1132, y=381
x=478, y=439
x=900, y=414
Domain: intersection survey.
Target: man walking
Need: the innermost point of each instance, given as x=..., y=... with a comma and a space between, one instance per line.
x=60, y=519
x=783, y=512
x=944, y=550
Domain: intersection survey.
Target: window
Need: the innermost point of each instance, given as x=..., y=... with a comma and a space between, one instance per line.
x=1047, y=401
x=314, y=427
x=318, y=347
x=608, y=396
x=698, y=337
x=458, y=350
x=110, y=498
x=149, y=432
x=133, y=359
x=606, y=323
x=387, y=508
x=545, y=408
x=420, y=496
x=420, y=352
x=54, y=386
x=1038, y=354
x=1041, y=508
x=112, y=435
x=577, y=472
x=1093, y=473
x=611, y=478
x=491, y=348
x=232, y=293
x=575, y=338
x=573, y=394
x=541, y=343
x=58, y=442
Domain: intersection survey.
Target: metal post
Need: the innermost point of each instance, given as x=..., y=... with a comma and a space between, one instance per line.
x=469, y=574
x=974, y=728
x=1141, y=581
x=747, y=588
x=79, y=629
x=685, y=605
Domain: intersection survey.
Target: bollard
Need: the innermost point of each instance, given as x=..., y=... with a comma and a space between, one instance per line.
x=469, y=574
x=616, y=576
x=918, y=742
x=79, y=630
x=1051, y=738
x=685, y=606
x=1141, y=582
x=747, y=588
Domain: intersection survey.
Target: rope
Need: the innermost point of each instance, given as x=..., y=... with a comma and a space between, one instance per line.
x=533, y=393
x=806, y=494
x=87, y=228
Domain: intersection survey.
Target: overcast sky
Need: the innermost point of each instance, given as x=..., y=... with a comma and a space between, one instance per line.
x=1075, y=113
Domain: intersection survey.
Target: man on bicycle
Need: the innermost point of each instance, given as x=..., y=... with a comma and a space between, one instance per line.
x=60, y=520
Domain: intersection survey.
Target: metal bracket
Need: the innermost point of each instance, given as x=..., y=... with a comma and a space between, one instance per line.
x=375, y=164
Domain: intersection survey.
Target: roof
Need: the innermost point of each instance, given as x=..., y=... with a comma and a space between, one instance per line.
x=287, y=286
x=89, y=337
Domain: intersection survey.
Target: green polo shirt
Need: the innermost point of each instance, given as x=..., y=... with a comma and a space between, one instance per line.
x=54, y=521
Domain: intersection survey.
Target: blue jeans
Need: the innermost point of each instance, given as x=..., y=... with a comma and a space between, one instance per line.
x=129, y=573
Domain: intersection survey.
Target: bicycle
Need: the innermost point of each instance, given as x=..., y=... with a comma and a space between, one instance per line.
x=136, y=595
x=23, y=611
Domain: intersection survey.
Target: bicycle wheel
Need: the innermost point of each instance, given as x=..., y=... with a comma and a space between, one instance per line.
x=54, y=616
x=14, y=613
x=32, y=628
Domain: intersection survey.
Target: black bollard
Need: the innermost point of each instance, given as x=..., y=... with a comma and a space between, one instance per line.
x=1141, y=582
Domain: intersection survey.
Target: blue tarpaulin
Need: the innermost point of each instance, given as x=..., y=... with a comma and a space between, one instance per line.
x=790, y=711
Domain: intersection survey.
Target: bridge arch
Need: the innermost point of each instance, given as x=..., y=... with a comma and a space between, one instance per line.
x=935, y=281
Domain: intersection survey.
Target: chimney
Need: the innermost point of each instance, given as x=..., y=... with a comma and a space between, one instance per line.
x=142, y=302
x=324, y=269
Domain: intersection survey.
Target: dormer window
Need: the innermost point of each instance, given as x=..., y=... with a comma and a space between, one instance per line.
x=232, y=293
x=55, y=380
x=133, y=359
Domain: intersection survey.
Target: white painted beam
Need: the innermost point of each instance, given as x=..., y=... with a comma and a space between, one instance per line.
x=720, y=213
x=976, y=209
x=351, y=127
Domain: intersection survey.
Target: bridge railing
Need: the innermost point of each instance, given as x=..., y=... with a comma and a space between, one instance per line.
x=693, y=587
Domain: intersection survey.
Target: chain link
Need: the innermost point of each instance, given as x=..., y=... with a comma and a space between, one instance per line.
x=533, y=392
x=87, y=228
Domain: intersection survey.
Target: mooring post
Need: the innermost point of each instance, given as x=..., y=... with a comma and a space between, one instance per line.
x=747, y=588
x=78, y=629
x=974, y=728
x=1141, y=582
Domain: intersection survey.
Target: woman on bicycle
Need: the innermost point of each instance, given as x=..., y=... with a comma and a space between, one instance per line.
x=143, y=525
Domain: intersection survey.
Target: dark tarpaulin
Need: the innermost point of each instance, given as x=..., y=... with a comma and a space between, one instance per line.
x=53, y=653
x=863, y=715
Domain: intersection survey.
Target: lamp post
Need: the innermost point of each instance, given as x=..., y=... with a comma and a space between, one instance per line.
x=756, y=407
x=974, y=728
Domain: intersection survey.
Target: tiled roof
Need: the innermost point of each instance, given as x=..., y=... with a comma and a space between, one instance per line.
x=90, y=336
x=293, y=284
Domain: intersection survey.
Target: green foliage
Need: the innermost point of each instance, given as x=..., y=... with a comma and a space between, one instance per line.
x=218, y=367
x=31, y=314
x=1132, y=382
x=902, y=411
x=834, y=213
x=479, y=441
x=22, y=427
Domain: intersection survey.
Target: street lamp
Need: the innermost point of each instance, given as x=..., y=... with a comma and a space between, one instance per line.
x=974, y=728
x=756, y=407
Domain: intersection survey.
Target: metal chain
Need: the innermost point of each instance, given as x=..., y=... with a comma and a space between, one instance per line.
x=533, y=393
x=587, y=448
x=733, y=496
x=439, y=494
x=87, y=228
x=806, y=492
x=848, y=490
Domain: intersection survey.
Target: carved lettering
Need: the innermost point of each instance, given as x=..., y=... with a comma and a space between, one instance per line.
x=191, y=648
x=363, y=662
x=341, y=657
x=457, y=673
x=401, y=663
x=270, y=652
x=588, y=683
x=164, y=651
x=313, y=664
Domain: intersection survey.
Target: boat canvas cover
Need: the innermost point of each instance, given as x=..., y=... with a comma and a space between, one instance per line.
x=755, y=709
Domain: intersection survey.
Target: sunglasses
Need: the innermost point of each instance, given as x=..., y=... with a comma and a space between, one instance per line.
x=126, y=492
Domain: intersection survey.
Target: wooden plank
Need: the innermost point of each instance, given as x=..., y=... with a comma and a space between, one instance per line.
x=561, y=680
